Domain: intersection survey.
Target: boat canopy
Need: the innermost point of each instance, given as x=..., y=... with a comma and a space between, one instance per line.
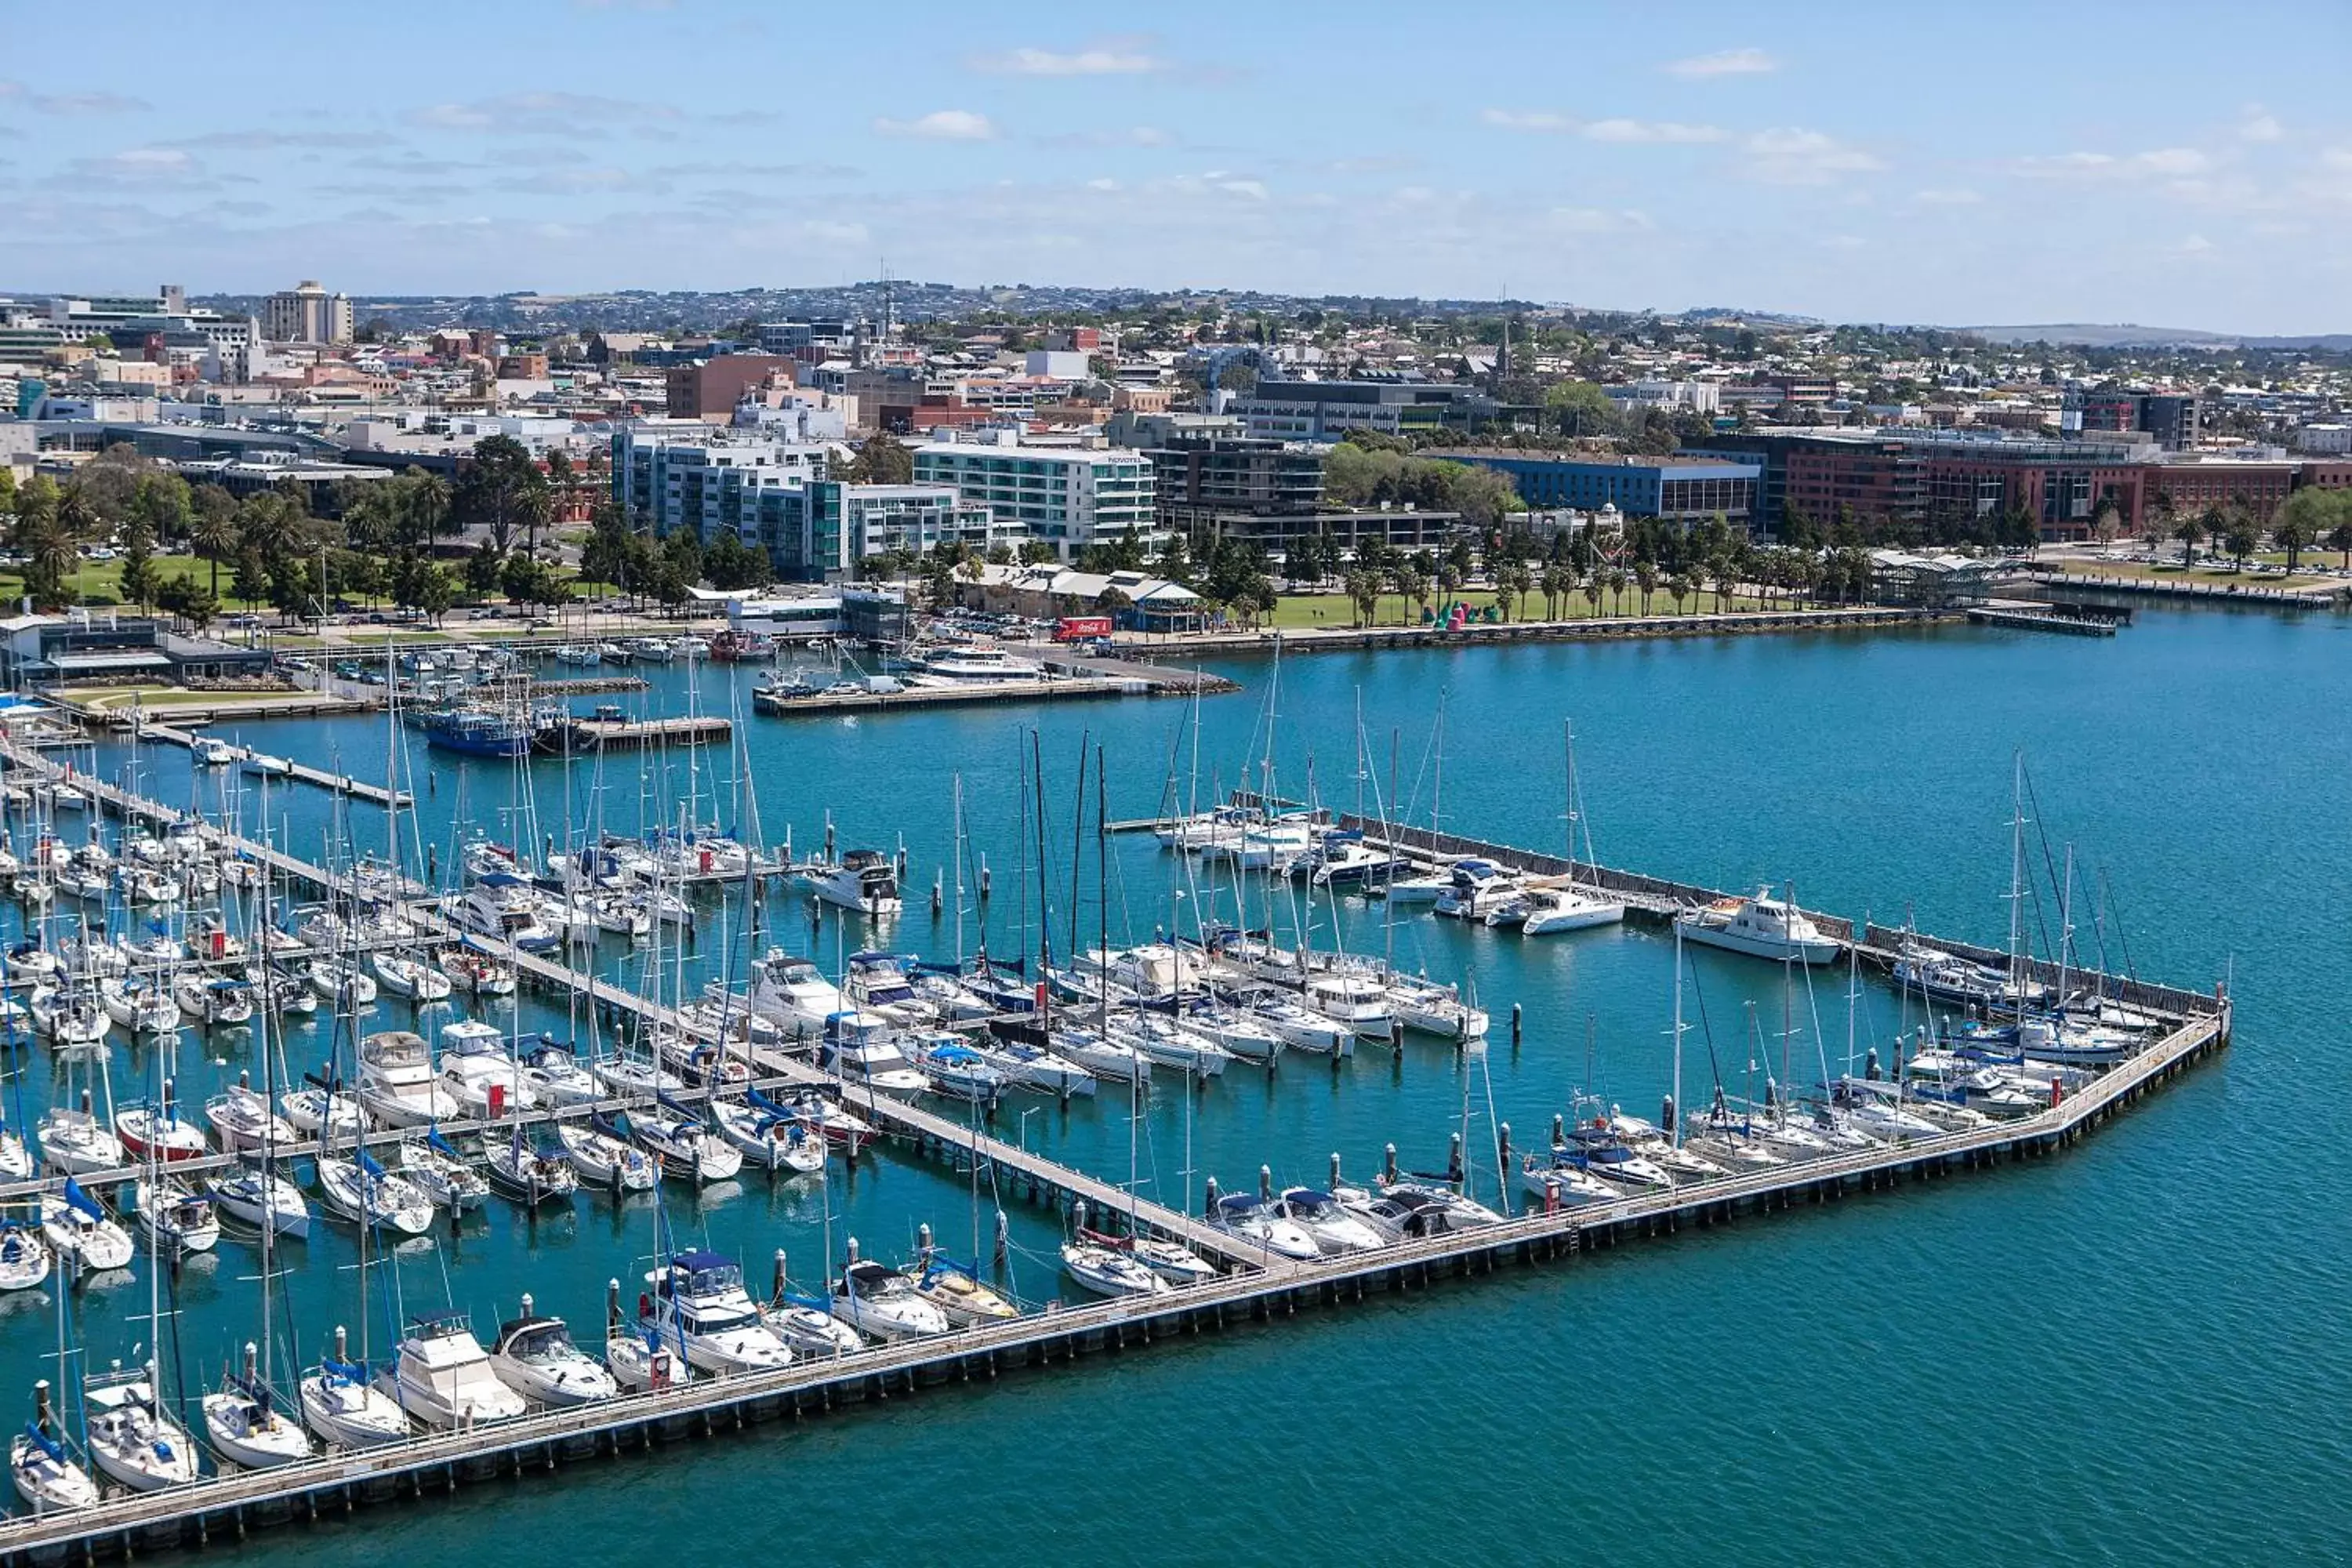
x=45, y=1443
x=81, y=1202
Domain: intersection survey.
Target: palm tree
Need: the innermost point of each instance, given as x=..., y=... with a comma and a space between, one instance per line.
x=1645, y=577
x=214, y=538
x=2340, y=538
x=1678, y=588
x=1363, y=590
x=1556, y=586
x=2188, y=530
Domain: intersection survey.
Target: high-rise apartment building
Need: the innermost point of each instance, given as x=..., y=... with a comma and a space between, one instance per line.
x=307, y=314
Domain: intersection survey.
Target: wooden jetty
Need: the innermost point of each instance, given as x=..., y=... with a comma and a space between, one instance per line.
x=301, y=773
x=635, y=735
x=226, y=1506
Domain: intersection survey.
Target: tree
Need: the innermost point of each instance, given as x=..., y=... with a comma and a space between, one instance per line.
x=2340, y=537
x=2106, y=522
x=1580, y=408
x=2297, y=525
x=882, y=459
x=2241, y=537
x=213, y=532
x=1645, y=577
x=2188, y=528
x=1513, y=581
x=481, y=570
x=138, y=582
x=35, y=512
x=1363, y=590
x=729, y=563
x=502, y=492
x=1678, y=589
x=251, y=581
x=162, y=504
x=49, y=561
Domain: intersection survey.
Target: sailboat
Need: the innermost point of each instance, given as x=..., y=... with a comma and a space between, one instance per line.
x=133, y=1437
x=1550, y=906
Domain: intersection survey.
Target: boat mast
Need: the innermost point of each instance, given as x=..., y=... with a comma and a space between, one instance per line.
x=2017, y=886
x=1677, y=1128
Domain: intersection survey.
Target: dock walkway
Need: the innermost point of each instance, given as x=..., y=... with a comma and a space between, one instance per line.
x=301, y=773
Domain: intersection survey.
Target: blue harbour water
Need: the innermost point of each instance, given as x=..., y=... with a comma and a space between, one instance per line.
x=2130, y=1354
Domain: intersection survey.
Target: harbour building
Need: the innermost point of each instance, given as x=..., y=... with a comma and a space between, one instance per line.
x=707, y=481
x=1068, y=498
x=1680, y=489
x=825, y=531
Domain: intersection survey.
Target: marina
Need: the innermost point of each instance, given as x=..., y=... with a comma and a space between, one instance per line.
x=1260, y=1286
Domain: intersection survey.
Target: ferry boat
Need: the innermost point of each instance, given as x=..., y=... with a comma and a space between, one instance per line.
x=1761, y=927
x=960, y=663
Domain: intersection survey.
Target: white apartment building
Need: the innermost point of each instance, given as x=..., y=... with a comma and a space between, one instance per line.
x=1699, y=396
x=707, y=481
x=1069, y=499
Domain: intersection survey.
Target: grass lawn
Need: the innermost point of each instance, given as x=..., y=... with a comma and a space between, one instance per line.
x=1296, y=611
x=100, y=582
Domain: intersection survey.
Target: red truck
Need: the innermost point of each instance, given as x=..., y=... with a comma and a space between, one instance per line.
x=1082, y=628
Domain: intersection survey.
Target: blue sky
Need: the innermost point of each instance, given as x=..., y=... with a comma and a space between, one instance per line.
x=2180, y=164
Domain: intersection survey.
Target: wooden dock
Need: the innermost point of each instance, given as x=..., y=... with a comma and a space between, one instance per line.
x=226, y=1506
x=635, y=734
x=301, y=773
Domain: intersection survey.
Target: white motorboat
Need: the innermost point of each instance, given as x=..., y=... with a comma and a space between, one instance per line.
x=698, y=1305
x=442, y=1377
x=866, y=1049
x=1238, y=1033
x=1259, y=1223
x=1760, y=926
x=1478, y=888
x=1172, y=1260
x=1321, y=1216
x=964, y=663
x=132, y=1439
x=863, y=880
x=881, y=1303
x=607, y=1161
x=1562, y=1184
x=1302, y=1028
x=45, y=1475
x=807, y=1326
x=1108, y=1271
x=955, y=1069
x=1433, y=1009
x=1547, y=908
x=536, y=1358
x=79, y=1232
x=1420, y=888
x=397, y=1084
x=479, y=1074
x=878, y=983
x=210, y=752
x=256, y=1199
x=1351, y=997
x=793, y=994
x=555, y=1077
x=505, y=908
x=411, y=979
x=24, y=1259
x=958, y=1293
x=179, y=1221
x=634, y=1078
x=242, y=1118
x=1169, y=1044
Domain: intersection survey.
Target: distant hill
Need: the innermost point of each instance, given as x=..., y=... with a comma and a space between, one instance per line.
x=2125, y=336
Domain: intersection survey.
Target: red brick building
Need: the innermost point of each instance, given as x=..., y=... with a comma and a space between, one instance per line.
x=710, y=390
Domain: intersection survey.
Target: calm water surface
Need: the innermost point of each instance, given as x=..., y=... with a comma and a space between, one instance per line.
x=2131, y=1353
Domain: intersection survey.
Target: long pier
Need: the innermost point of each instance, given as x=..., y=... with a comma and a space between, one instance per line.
x=227, y=1505
x=301, y=773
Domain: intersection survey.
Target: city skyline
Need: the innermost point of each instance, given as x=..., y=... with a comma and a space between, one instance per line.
x=1710, y=157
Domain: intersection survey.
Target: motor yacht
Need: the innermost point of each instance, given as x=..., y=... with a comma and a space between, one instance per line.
x=536, y=1358
x=863, y=880
x=793, y=994
x=478, y=1074
x=699, y=1305
x=398, y=1085
x=1258, y=1223
x=882, y=1303
x=865, y=1049
x=1760, y=926
x=442, y=1377
x=1108, y=1271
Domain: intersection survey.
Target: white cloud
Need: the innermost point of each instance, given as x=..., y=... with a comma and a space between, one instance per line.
x=942, y=125
x=1725, y=62
x=1551, y=122
x=2258, y=124
x=69, y=102
x=1100, y=60
x=138, y=166
x=1541, y=120
x=1103, y=183
x=1597, y=220
x=1948, y=197
x=1126, y=136
x=1790, y=156
x=2165, y=163
x=541, y=114
x=1663, y=131
x=829, y=232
